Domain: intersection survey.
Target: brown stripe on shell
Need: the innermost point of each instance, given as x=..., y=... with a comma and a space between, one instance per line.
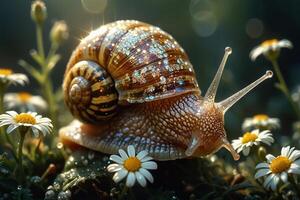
x=113, y=38
x=138, y=52
x=86, y=85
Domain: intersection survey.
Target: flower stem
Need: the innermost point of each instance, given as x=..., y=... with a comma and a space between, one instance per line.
x=46, y=83
x=283, y=87
x=20, y=153
x=39, y=37
x=123, y=193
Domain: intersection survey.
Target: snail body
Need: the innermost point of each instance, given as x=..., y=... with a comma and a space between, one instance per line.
x=130, y=83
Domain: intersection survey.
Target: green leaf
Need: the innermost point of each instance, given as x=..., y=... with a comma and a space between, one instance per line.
x=34, y=54
x=53, y=61
x=31, y=70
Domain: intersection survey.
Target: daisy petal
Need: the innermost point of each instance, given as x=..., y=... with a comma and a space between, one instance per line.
x=262, y=172
x=116, y=159
x=120, y=175
x=274, y=182
x=268, y=180
x=270, y=157
x=295, y=155
x=131, y=151
x=262, y=165
x=285, y=151
x=147, y=158
x=130, y=181
x=141, y=179
x=294, y=170
x=142, y=154
x=149, y=165
x=11, y=128
x=147, y=174
x=284, y=177
x=123, y=154
x=114, y=167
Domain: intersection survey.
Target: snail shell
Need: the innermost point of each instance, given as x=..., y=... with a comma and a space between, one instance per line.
x=123, y=63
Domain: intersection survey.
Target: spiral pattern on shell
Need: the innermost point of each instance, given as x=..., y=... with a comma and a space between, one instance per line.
x=143, y=63
x=90, y=90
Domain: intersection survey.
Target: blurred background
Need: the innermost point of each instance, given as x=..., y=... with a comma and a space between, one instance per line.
x=203, y=28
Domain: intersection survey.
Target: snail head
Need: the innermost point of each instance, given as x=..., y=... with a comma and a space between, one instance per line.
x=209, y=135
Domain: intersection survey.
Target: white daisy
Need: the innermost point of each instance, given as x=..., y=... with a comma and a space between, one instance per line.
x=24, y=101
x=135, y=167
x=278, y=168
x=270, y=47
x=252, y=138
x=261, y=121
x=36, y=123
x=7, y=76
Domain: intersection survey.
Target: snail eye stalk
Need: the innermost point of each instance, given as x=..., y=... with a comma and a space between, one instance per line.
x=212, y=90
x=230, y=101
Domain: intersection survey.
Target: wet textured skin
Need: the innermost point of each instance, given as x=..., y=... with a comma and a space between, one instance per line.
x=163, y=127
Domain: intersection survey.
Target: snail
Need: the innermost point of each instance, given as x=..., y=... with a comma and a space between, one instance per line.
x=130, y=83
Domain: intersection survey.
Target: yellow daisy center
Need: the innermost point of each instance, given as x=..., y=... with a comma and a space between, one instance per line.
x=280, y=164
x=268, y=43
x=132, y=164
x=25, y=118
x=5, y=72
x=249, y=137
x=24, y=96
x=261, y=117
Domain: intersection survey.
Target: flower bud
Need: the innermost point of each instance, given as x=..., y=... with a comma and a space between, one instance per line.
x=262, y=152
x=38, y=11
x=59, y=32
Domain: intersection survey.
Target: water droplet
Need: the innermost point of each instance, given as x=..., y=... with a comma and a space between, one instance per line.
x=59, y=145
x=50, y=194
x=56, y=186
x=19, y=187
x=105, y=159
x=68, y=193
x=163, y=80
x=93, y=175
x=91, y=155
x=63, y=196
x=35, y=179
x=85, y=162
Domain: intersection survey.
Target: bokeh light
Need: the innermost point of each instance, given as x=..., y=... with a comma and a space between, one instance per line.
x=94, y=6
x=254, y=28
x=204, y=19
